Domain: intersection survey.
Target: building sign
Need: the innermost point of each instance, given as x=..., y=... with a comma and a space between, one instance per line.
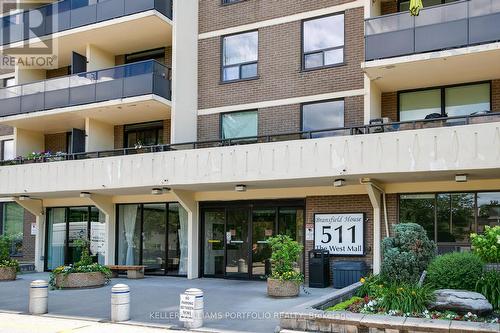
x=309, y=232
x=34, y=229
x=340, y=234
x=187, y=307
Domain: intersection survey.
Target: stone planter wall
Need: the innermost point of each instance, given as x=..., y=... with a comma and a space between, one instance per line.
x=492, y=267
x=7, y=273
x=80, y=280
x=278, y=288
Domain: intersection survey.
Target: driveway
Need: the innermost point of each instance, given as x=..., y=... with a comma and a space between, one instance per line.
x=229, y=304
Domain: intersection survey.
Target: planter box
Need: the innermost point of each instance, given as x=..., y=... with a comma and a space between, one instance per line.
x=492, y=267
x=278, y=288
x=80, y=280
x=7, y=273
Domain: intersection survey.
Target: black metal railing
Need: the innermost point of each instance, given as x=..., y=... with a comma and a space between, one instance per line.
x=68, y=14
x=485, y=117
x=451, y=25
x=136, y=79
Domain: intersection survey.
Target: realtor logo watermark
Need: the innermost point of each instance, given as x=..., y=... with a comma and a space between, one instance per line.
x=26, y=34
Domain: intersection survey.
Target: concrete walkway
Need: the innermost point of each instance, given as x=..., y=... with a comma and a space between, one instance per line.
x=229, y=304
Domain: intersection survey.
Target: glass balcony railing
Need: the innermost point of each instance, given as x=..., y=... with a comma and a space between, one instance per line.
x=136, y=79
x=452, y=25
x=68, y=14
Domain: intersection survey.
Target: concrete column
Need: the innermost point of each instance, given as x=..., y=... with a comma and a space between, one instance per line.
x=106, y=205
x=186, y=199
x=26, y=142
x=372, y=100
x=97, y=58
x=376, y=199
x=29, y=75
x=35, y=207
x=100, y=136
x=184, y=74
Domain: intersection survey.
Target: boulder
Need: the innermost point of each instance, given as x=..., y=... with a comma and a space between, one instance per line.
x=461, y=301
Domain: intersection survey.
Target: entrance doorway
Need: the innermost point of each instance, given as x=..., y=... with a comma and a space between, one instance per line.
x=234, y=236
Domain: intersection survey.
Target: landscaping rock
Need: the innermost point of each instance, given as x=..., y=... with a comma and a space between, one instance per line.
x=461, y=301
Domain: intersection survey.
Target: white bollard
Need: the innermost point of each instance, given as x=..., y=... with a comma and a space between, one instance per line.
x=120, y=303
x=198, y=311
x=39, y=296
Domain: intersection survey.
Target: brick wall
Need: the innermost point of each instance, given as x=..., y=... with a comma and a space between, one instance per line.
x=119, y=137
x=280, y=119
x=495, y=95
x=52, y=73
x=389, y=7
x=390, y=105
x=6, y=130
x=28, y=239
x=56, y=142
x=280, y=74
x=214, y=15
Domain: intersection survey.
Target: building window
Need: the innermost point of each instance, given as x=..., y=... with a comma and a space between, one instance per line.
x=240, y=56
x=451, y=101
x=323, y=41
x=144, y=134
x=322, y=116
x=13, y=225
x=7, y=150
x=450, y=218
x=404, y=5
x=228, y=2
x=156, y=54
x=239, y=124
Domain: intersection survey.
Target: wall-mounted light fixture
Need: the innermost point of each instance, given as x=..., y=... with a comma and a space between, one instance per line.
x=84, y=194
x=461, y=178
x=339, y=182
x=240, y=188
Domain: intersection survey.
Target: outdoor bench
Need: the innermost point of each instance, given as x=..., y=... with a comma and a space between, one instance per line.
x=133, y=272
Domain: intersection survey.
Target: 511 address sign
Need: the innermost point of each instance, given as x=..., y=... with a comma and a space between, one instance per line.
x=340, y=234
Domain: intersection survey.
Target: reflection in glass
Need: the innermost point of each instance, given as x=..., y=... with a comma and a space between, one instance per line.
x=214, y=243
x=464, y=100
x=78, y=229
x=240, y=55
x=129, y=226
x=153, y=238
x=488, y=210
x=417, y=105
x=56, y=237
x=418, y=208
x=263, y=221
x=98, y=234
x=325, y=115
x=177, y=240
x=12, y=226
x=237, y=243
x=455, y=217
x=323, y=41
x=239, y=124
x=291, y=223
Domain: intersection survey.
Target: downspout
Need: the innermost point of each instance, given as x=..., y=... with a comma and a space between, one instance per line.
x=386, y=219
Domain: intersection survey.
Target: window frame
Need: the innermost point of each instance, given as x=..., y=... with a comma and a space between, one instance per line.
x=2, y=222
x=144, y=57
x=443, y=94
x=240, y=65
x=303, y=53
x=318, y=102
x=2, y=147
x=400, y=1
x=155, y=125
x=230, y=3
x=221, y=117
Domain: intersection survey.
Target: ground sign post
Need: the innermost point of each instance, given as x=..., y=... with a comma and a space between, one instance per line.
x=191, y=308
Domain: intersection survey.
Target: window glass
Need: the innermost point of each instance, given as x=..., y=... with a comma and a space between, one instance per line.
x=464, y=100
x=8, y=150
x=455, y=217
x=13, y=224
x=488, y=210
x=240, y=56
x=239, y=124
x=146, y=134
x=98, y=234
x=418, y=104
x=324, y=115
x=56, y=237
x=129, y=237
x=405, y=5
x=323, y=41
x=418, y=208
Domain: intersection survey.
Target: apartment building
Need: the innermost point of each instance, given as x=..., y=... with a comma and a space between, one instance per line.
x=185, y=133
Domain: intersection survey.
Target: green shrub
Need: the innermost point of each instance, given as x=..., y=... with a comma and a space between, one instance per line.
x=489, y=286
x=407, y=254
x=345, y=304
x=406, y=298
x=85, y=258
x=456, y=270
x=5, y=260
x=487, y=245
x=285, y=254
x=372, y=286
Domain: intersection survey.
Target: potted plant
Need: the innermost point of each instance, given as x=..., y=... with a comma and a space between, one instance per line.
x=8, y=267
x=82, y=274
x=285, y=279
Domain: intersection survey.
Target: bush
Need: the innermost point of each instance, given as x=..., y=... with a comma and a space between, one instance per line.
x=345, y=304
x=489, y=286
x=5, y=260
x=456, y=270
x=373, y=286
x=285, y=254
x=406, y=298
x=487, y=245
x=407, y=254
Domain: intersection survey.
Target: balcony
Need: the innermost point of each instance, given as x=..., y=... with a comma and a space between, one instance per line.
x=69, y=14
x=442, y=27
x=395, y=152
x=117, y=83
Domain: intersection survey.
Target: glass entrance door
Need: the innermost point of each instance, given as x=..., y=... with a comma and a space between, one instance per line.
x=213, y=249
x=237, y=240
x=78, y=218
x=263, y=224
x=154, y=239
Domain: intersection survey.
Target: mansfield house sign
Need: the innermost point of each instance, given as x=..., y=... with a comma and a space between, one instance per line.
x=340, y=234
